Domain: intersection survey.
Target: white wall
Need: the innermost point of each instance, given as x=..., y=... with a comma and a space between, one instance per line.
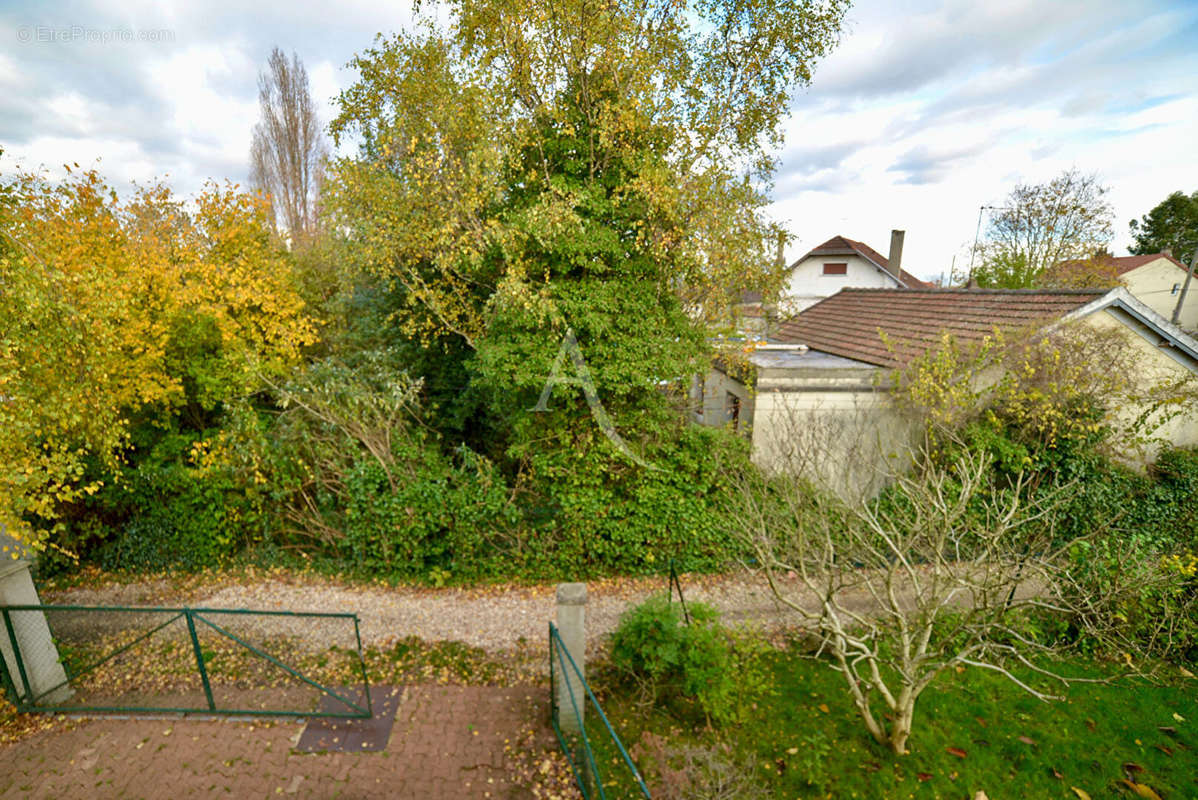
x=808, y=285
x=1153, y=283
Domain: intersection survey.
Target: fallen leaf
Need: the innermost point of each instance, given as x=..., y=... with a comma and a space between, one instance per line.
x=923, y=776
x=824, y=708
x=794, y=751
x=1081, y=793
x=1027, y=740
x=1186, y=672
x=1056, y=774
x=1166, y=750
x=1142, y=790
x=1130, y=767
x=1178, y=717
x=955, y=751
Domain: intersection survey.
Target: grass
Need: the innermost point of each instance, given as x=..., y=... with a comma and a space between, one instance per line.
x=974, y=731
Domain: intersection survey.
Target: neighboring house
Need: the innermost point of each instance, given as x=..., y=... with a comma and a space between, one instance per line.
x=820, y=399
x=842, y=263
x=1156, y=281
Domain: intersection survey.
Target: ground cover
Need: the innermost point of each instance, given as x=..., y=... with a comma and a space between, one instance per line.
x=976, y=732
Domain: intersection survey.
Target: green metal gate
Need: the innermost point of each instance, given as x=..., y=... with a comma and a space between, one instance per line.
x=128, y=659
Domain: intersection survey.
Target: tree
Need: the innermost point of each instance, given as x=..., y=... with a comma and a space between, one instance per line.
x=1042, y=224
x=488, y=141
x=1171, y=225
x=120, y=310
x=973, y=543
x=288, y=151
x=935, y=574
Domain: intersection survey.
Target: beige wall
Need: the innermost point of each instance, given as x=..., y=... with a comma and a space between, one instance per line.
x=838, y=429
x=1153, y=283
x=1154, y=367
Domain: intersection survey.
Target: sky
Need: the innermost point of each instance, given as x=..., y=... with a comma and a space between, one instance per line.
x=927, y=110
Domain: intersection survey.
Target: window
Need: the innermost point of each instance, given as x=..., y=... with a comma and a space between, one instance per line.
x=836, y=269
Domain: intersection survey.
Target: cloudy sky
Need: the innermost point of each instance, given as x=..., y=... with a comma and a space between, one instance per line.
x=928, y=110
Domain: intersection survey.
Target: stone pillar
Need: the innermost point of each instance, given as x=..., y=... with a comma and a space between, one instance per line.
x=38, y=654
x=571, y=626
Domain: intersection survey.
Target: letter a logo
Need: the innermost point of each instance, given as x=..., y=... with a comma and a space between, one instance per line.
x=582, y=377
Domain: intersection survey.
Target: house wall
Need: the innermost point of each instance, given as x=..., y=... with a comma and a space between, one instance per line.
x=1153, y=283
x=807, y=284
x=837, y=429
x=714, y=407
x=1174, y=426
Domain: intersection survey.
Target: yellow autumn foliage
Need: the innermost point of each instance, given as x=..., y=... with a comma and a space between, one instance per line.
x=97, y=292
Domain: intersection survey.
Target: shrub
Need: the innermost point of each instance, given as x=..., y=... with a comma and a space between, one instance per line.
x=440, y=519
x=588, y=515
x=700, y=663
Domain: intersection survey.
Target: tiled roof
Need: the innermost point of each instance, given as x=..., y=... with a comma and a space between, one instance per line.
x=1121, y=264
x=849, y=323
x=843, y=246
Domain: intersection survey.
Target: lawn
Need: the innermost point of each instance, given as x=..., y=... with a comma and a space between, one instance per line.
x=974, y=731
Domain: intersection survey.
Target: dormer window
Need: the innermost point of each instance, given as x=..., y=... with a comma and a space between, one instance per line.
x=841, y=268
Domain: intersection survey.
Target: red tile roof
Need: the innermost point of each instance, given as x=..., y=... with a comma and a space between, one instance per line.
x=850, y=323
x=843, y=246
x=1121, y=264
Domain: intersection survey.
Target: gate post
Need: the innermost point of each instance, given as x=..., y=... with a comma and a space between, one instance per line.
x=26, y=644
x=571, y=627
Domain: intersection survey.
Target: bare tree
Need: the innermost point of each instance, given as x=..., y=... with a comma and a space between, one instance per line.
x=289, y=148
x=1042, y=224
x=895, y=591
x=944, y=566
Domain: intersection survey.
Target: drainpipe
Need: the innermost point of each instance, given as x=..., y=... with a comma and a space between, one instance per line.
x=1185, y=287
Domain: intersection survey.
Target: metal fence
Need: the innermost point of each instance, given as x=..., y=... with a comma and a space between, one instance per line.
x=125, y=659
x=601, y=765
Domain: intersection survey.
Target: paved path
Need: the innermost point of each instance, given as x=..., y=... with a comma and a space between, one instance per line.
x=448, y=742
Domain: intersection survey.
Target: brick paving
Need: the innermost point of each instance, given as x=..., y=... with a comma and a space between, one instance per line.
x=448, y=742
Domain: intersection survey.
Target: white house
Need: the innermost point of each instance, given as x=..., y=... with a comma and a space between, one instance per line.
x=842, y=263
x=1155, y=279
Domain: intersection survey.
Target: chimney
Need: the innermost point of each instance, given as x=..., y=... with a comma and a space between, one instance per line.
x=896, y=251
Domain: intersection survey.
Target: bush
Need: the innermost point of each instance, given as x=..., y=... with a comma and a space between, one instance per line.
x=440, y=519
x=699, y=663
x=591, y=513
x=177, y=515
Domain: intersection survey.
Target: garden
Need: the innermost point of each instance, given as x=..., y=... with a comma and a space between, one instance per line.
x=472, y=375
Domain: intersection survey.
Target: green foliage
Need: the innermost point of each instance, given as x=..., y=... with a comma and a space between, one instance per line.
x=440, y=521
x=697, y=662
x=590, y=516
x=982, y=734
x=1172, y=224
x=1005, y=270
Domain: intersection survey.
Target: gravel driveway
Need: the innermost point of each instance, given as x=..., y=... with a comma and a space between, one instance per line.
x=493, y=618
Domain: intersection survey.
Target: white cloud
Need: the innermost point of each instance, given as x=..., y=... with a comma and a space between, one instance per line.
x=928, y=109
x=944, y=107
